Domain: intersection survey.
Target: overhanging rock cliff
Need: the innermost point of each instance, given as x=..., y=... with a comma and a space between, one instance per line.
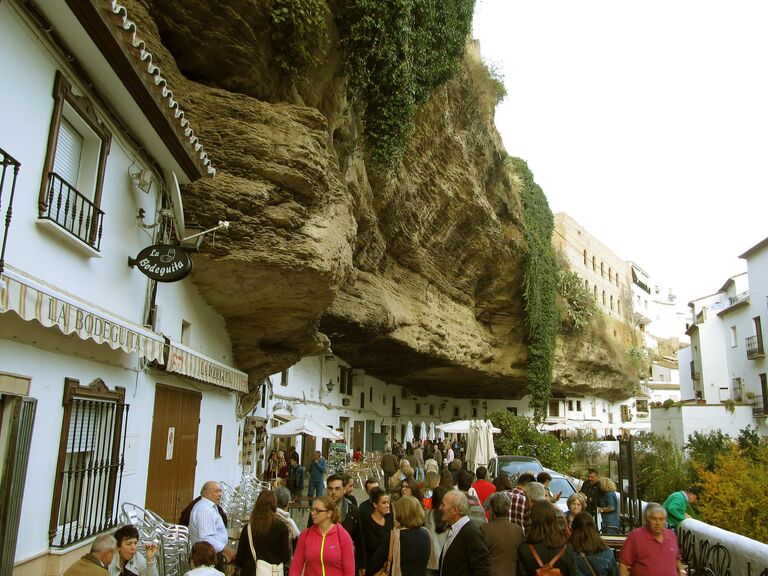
x=415, y=276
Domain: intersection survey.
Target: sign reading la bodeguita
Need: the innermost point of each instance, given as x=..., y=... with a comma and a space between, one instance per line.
x=163, y=262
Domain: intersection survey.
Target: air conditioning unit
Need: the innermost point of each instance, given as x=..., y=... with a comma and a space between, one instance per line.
x=345, y=401
x=395, y=411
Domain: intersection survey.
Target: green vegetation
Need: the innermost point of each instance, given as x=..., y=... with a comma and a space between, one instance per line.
x=397, y=52
x=578, y=304
x=730, y=473
x=519, y=437
x=299, y=34
x=540, y=281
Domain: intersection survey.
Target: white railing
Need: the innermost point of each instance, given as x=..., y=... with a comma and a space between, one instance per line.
x=722, y=552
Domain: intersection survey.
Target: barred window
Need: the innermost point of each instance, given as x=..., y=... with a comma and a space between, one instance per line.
x=90, y=463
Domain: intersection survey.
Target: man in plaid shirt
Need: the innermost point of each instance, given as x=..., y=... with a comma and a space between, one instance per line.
x=519, y=508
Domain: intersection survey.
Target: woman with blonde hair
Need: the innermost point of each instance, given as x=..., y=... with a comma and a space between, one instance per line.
x=608, y=506
x=412, y=545
x=265, y=537
x=576, y=502
x=325, y=548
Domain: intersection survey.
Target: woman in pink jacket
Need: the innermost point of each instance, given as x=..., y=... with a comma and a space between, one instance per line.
x=325, y=548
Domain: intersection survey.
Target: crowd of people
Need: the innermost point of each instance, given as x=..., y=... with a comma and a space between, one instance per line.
x=430, y=516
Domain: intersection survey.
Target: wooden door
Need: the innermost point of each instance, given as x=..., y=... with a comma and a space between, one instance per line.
x=173, y=451
x=359, y=435
x=308, y=444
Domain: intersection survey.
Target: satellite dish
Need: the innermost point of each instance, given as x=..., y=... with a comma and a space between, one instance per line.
x=174, y=193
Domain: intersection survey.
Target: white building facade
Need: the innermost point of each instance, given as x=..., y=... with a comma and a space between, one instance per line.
x=103, y=399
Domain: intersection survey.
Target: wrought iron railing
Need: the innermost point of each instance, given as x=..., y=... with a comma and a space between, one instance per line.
x=91, y=476
x=10, y=170
x=72, y=211
x=758, y=405
x=711, y=558
x=754, y=347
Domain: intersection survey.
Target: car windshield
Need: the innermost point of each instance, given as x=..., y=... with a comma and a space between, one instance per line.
x=513, y=468
x=561, y=485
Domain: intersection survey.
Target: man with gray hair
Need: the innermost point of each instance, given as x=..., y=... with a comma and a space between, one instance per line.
x=95, y=563
x=537, y=492
x=205, y=523
x=501, y=536
x=283, y=497
x=464, y=552
x=652, y=549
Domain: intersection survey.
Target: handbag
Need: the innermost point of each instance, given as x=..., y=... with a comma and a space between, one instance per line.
x=589, y=564
x=386, y=570
x=263, y=568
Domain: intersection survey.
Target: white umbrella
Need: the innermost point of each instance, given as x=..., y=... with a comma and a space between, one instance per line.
x=304, y=425
x=423, y=431
x=480, y=448
x=432, y=431
x=461, y=427
x=408, y=432
x=441, y=437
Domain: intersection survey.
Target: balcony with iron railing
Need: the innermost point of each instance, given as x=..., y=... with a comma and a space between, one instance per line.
x=755, y=348
x=72, y=211
x=9, y=171
x=759, y=405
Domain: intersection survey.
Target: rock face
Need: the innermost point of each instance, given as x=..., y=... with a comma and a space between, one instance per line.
x=414, y=277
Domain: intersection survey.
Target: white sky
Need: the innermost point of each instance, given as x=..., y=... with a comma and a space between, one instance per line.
x=647, y=122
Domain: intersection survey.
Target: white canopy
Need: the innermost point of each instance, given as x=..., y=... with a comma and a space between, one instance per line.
x=408, y=432
x=463, y=427
x=480, y=448
x=304, y=425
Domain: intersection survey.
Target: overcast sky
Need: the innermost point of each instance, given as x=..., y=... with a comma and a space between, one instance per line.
x=647, y=122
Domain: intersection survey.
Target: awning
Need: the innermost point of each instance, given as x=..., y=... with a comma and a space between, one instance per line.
x=35, y=300
x=185, y=361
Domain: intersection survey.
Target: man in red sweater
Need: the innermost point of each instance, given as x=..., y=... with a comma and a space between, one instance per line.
x=481, y=485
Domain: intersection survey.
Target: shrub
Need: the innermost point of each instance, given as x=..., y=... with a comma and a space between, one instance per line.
x=579, y=305
x=705, y=448
x=734, y=495
x=587, y=453
x=659, y=467
x=520, y=437
x=397, y=52
x=299, y=33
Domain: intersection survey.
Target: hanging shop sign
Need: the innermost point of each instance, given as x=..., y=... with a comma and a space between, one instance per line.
x=163, y=262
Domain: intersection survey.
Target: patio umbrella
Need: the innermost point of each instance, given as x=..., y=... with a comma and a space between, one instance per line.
x=432, y=431
x=304, y=425
x=461, y=427
x=480, y=448
x=423, y=431
x=441, y=437
x=408, y=432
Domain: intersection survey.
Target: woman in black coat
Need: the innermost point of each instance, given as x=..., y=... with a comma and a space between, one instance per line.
x=548, y=540
x=376, y=527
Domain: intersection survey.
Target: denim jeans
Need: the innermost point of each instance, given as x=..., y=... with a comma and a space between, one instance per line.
x=315, y=489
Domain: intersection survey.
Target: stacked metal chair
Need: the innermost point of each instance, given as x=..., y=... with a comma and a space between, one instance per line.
x=172, y=539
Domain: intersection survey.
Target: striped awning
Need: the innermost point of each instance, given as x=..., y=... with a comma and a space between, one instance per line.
x=187, y=362
x=33, y=299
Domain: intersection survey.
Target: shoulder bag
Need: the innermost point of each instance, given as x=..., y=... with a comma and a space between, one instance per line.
x=263, y=568
x=547, y=569
x=589, y=564
x=386, y=570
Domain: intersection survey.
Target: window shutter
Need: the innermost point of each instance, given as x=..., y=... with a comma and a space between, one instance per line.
x=69, y=149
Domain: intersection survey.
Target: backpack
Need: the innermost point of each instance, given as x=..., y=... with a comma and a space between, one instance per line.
x=547, y=569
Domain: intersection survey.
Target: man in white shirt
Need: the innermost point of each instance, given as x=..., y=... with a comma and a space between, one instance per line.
x=205, y=523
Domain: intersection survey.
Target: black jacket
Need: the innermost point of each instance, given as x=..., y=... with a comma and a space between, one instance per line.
x=467, y=555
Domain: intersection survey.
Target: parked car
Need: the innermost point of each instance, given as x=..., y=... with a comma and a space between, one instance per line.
x=563, y=484
x=513, y=466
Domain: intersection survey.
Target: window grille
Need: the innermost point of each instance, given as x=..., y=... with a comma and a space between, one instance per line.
x=90, y=465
